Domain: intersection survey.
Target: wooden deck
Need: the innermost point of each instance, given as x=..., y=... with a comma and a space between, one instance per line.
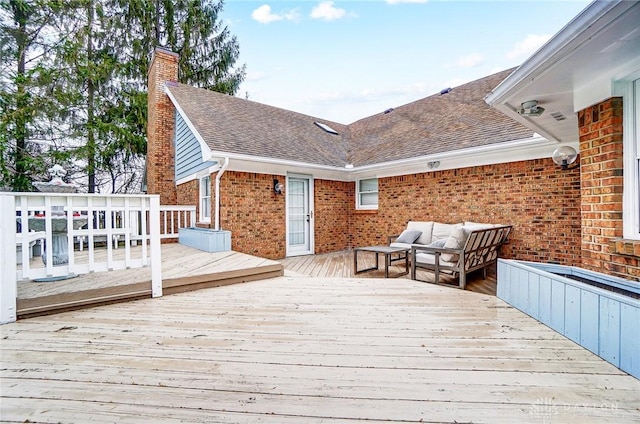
x=183, y=268
x=340, y=264
x=306, y=350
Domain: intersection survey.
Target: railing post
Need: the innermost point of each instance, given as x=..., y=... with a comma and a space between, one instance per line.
x=8, y=266
x=155, y=248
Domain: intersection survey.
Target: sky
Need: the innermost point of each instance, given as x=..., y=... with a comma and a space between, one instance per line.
x=345, y=60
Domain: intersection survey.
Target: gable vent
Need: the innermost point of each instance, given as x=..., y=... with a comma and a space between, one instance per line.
x=558, y=116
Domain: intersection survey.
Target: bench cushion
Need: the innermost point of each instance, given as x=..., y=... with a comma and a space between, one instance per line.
x=425, y=227
x=442, y=231
x=408, y=236
x=429, y=259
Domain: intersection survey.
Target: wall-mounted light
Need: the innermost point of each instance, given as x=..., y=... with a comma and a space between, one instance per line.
x=433, y=164
x=565, y=156
x=278, y=187
x=530, y=108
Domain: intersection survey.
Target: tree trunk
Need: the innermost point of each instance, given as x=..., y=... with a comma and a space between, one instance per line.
x=91, y=142
x=21, y=179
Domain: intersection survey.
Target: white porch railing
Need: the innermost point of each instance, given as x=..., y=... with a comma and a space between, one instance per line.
x=174, y=217
x=63, y=220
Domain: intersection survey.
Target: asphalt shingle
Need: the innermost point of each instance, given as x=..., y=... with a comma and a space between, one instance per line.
x=456, y=120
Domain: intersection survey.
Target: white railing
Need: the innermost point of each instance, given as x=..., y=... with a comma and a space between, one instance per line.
x=61, y=220
x=174, y=217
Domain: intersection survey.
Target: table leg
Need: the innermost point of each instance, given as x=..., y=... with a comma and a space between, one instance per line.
x=355, y=263
x=387, y=259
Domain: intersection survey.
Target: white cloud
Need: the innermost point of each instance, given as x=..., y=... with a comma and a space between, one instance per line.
x=526, y=47
x=264, y=15
x=469, y=61
x=405, y=1
x=328, y=12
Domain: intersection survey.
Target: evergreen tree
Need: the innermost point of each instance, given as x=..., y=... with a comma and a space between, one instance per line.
x=92, y=75
x=27, y=41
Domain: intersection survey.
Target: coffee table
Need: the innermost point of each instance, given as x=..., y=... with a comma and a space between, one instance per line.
x=387, y=251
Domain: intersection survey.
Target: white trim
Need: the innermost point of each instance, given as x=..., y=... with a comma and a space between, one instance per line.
x=201, y=217
x=631, y=130
x=578, y=31
x=535, y=147
x=359, y=206
x=199, y=174
x=311, y=196
x=225, y=164
x=8, y=280
x=205, y=150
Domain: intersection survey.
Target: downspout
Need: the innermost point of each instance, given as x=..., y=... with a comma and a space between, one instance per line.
x=218, y=177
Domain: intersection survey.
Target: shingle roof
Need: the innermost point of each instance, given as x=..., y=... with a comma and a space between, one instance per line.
x=456, y=120
x=234, y=125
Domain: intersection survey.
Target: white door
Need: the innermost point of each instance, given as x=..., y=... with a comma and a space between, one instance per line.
x=299, y=215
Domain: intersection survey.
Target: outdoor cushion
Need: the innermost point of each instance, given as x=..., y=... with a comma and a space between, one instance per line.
x=429, y=259
x=401, y=245
x=426, y=227
x=442, y=231
x=437, y=243
x=455, y=241
x=408, y=236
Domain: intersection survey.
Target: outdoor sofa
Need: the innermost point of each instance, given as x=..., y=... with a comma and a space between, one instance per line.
x=456, y=249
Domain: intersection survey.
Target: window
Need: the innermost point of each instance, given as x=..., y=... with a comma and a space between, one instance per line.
x=367, y=194
x=205, y=199
x=631, y=149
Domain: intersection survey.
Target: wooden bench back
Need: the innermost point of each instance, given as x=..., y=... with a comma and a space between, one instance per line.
x=482, y=246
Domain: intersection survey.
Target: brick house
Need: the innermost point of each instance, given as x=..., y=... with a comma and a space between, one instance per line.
x=289, y=184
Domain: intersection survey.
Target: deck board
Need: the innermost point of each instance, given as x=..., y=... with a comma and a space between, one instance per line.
x=183, y=268
x=307, y=350
x=340, y=264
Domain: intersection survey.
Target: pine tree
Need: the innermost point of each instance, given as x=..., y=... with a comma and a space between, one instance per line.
x=27, y=40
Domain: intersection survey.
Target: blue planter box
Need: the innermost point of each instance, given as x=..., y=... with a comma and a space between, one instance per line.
x=205, y=239
x=601, y=320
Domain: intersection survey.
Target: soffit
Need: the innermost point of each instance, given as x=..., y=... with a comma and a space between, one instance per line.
x=575, y=69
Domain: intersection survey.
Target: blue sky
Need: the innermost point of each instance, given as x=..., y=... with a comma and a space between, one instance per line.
x=345, y=60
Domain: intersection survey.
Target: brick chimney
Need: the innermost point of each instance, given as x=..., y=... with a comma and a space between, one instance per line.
x=161, y=127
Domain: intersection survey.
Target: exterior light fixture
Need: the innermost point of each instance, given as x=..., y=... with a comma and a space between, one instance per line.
x=530, y=108
x=565, y=156
x=434, y=164
x=278, y=187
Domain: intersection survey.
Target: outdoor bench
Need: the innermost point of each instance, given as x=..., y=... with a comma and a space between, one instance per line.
x=456, y=249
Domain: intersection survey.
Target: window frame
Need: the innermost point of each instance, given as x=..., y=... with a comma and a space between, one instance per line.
x=359, y=194
x=204, y=212
x=629, y=88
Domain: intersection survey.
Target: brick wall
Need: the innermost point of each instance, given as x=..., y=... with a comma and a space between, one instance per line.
x=161, y=128
x=333, y=204
x=601, y=169
x=541, y=201
x=253, y=213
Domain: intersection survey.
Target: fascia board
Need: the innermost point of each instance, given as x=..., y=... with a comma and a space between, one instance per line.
x=204, y=148
x=279, y=162
x=529, y=123
x=197, y=175
x=535, y=147
x=559, y=48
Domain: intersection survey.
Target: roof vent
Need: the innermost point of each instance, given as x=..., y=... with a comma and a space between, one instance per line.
x=326, y=127
x=445, y=90
x=558, y=116
x=388, y=110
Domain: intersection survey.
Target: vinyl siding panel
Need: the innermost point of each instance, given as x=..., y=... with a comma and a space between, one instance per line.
x=188, y=151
